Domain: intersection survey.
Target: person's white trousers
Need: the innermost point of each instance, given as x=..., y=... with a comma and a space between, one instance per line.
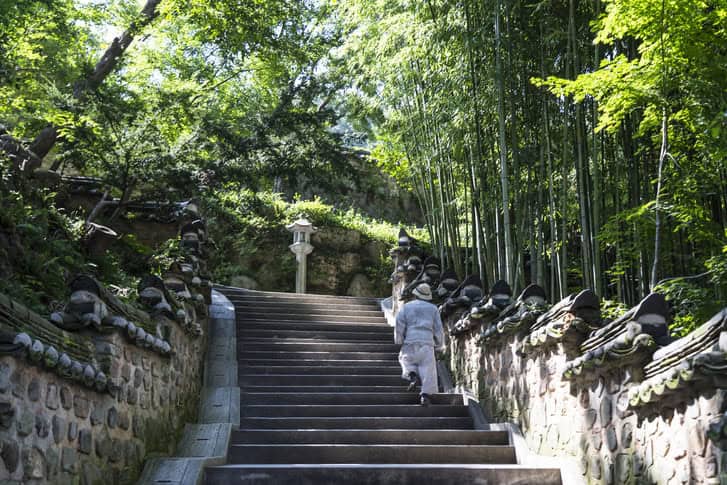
x=419, y=358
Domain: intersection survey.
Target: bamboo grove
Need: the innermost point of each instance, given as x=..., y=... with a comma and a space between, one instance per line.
x=572, y=144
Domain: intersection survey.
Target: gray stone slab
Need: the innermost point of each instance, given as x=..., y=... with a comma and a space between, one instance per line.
x=221, y=306
x=174, y=471
x=220, y=405
x=220, y=373
x=209, y=441
x=223, y=327
x=222, y=348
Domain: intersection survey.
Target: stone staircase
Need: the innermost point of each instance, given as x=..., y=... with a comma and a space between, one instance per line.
x=322, y=402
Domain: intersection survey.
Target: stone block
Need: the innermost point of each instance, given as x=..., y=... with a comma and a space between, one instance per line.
x=58, y=427
x=52, y=460
x=176, y=471
x=205, y=441
x=98, y=415
x=34, y=390
x=10, y=454
x=112, y=418
x=81, y=406
x=611, y=439
x=91, y=474
x=126, y=372
x=7, y=415
x=85, y=441
x=138, y=376
x=51, y=397
x=33, y=464
x=66, y=397
x=25, y=423
x=124, y=420
x=72, y=431
x=220, y=405
x=5, y=372
x=18, y=383
x=42, y=426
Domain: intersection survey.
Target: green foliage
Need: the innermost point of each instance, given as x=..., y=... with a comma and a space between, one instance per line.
x=692, y=305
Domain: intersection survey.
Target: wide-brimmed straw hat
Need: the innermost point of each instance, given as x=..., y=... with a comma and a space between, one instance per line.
x=423, y=292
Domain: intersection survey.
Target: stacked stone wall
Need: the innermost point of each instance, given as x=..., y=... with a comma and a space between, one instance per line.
x=92, y=392
x=624, y=401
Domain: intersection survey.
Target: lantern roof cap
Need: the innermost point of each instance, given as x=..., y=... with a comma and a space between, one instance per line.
x=302, y=224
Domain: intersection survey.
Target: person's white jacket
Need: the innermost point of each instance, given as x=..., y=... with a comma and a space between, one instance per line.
x=419, y=322
x=418, y=330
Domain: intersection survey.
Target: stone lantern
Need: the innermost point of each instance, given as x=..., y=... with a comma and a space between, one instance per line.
x=301, y=247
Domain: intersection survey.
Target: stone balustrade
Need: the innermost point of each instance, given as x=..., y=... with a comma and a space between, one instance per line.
x=629, y=403
x=88, y=394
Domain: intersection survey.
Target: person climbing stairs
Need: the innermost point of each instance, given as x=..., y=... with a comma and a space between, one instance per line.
x=323, y=402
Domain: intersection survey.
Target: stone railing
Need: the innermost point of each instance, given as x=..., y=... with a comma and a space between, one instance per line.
x=621, y=398
x=87, y=395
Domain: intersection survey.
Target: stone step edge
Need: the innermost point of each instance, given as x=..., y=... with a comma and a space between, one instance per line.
x=219, y=413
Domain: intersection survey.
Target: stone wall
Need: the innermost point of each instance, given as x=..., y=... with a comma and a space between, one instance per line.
x=628, y=403
x=89, y=394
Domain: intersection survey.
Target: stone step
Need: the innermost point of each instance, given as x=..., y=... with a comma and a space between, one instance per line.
x=328, y=326
x=294, y=453
x=336, y=370
x=357, y=436
x=320, y=356
x=288, y=305
x=326, y=389
x=343, y=317
x=256, y=345
x=318, y=362
x=336, y=335
x=394, y=474
x=271, y=296
x=352, y=410
x=344, y=398
x=309, y=309
x=400, y=423
x=321, y=380
x=304, y=341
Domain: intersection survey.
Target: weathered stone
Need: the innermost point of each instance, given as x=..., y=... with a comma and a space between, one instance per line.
x=69, y=457
x=25, y=423
x=138, y=377
x=72, y=431
x=584, y=398
x=126, y=372
x=147, y=382
x=5, y=372
x=81, y=406
x=132, y=396
x=139, y=426
x=590, y=420
x=112, y=418
x=66, y=397
x=51, y=397
x=611, y=440
x=606, y=411
x=623, y=468
x=627, y=435
x=33, y=463
x=146, y=363
x=91, y=474
x=97, y=415
x=596, y=440
x=58, y=426
x=116, y=454
x=18, y=383
x=135, y=357
x=85, y=441
x=7, y=415
x=608, y=472
x=595, y=466
x=638, y=464
x=103, y=446
x=124, y=421
x=10, y=454
x=34, y=390
x=51, y=462
x=42, y=426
